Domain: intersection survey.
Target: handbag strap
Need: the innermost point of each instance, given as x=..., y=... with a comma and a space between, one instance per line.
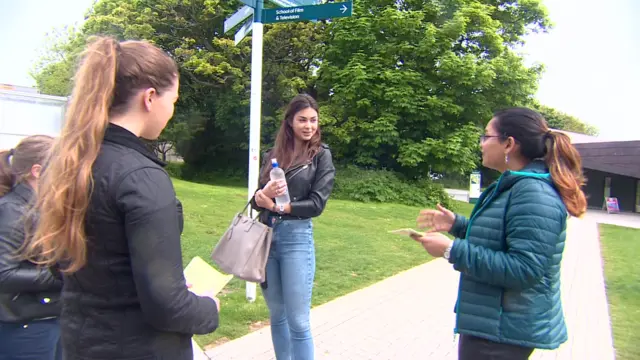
x=250, y=210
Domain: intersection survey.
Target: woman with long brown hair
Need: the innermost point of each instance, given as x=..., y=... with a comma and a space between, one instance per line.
x=29, y=294
x=109, y=216
x=290, y=269
x=509, y=251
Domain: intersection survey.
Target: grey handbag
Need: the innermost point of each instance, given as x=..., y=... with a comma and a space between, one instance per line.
x=244, y=248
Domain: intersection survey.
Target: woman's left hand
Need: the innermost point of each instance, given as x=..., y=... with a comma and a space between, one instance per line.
x=263, y=200
x=435, y=243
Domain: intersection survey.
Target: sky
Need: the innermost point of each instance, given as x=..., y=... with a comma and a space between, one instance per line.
x=591, y=56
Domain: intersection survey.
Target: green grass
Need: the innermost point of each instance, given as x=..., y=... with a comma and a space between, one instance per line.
x=621, y=251
x=353, y=249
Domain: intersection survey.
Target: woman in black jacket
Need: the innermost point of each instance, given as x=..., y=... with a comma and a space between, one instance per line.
x=110, y=217
x=309, y=173
x=29, y=294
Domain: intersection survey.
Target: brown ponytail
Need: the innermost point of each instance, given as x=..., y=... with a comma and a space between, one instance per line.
x=16, y=164
x=565, y=167
x=66, y=183
x=109, y=76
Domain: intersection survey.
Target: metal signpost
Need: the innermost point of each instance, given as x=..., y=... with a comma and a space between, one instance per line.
x=256, y=16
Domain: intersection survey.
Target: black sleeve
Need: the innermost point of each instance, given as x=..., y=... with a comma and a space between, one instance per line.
x=255, y=206
x=152, y=225
x=16, y=274
x=320, y=190
x=265, y=162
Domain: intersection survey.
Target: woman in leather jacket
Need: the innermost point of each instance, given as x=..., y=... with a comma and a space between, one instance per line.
x=29, y=294
x=109, y=216
x=291, y=264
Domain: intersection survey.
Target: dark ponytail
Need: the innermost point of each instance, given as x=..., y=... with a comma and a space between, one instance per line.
x=6, y=175
x=536, y=141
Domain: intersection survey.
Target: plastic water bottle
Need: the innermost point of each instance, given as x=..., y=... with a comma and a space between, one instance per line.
x=278, y=174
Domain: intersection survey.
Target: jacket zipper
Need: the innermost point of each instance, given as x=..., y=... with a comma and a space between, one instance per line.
x=299, y=168
x=475, y=214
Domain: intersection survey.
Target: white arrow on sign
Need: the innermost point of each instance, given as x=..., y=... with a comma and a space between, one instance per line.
x=344, y=8
x=244, y=30
x=238, y=17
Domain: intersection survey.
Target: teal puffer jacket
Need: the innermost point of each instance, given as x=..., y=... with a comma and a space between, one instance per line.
x=508, y=254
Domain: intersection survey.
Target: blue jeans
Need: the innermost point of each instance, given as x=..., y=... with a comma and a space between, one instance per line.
x=291, y=268
x=36, y=340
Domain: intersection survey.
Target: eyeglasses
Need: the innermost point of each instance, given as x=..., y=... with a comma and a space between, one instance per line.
x=484, y=138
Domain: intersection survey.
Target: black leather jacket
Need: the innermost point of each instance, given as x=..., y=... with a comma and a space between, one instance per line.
x=130, y=300
x=27, y=292
x=310, y=185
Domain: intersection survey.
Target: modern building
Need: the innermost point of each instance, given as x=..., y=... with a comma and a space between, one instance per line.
x=24, y=112
x=612, y=169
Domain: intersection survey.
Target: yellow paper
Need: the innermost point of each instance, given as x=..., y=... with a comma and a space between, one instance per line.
x=407, y=232
x=204, y=279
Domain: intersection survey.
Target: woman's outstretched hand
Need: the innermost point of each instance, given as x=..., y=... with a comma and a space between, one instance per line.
x=437, y=220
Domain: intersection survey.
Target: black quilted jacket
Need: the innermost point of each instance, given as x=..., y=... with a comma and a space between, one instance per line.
x=130, y=301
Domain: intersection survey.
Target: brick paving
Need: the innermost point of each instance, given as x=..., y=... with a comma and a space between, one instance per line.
x=410, y=315
x=585, y=303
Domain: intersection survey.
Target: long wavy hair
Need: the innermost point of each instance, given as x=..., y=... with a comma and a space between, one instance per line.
x=536, y=140
x=110, y=75
x=285, y=149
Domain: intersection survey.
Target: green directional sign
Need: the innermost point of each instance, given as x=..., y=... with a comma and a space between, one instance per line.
x=311, y=12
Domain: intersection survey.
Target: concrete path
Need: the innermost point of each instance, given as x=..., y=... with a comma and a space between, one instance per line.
x=410, y=315
x=457, y=194
x=631, y=220
x=584, y=299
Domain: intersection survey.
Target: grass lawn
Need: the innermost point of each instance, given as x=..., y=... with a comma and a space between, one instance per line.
x=353, y=249
x=621, y=251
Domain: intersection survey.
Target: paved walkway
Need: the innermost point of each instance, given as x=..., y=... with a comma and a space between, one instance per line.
x=631, y=220
x=584, y=300
x=410, y=315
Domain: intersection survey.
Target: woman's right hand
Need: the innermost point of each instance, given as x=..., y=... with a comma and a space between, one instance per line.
x=217, y=302
x=274, y=188
x=215, y=299
x=440, y=219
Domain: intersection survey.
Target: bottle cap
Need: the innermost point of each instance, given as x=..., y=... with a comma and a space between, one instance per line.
x=274, y=163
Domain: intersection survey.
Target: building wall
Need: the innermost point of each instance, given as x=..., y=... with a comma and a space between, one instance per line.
x=24, y=114
x=622, y=187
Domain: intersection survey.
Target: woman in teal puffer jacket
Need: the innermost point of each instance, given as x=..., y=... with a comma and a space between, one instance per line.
x=509, y=251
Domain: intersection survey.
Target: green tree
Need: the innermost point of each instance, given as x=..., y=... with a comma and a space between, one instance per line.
x=405, y=85
x=409, y=84
x=563, y=121
x=53, y=71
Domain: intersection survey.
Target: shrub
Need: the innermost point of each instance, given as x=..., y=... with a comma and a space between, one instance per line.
x=353, y=183
x=174, y=169
x=187, y=172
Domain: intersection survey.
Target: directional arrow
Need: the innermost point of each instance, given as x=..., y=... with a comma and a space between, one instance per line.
x=237, y=18
x=244, y=30
x=344, y=8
